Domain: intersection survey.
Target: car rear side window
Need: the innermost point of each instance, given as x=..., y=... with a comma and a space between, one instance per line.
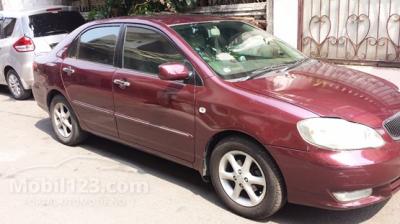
x=98, y=45
x=7, y=27
x=145, y=50
x=53, y=23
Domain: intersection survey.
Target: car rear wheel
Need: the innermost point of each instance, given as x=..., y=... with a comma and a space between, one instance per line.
x=64, y=122
x=246, y=178
x=15, y=86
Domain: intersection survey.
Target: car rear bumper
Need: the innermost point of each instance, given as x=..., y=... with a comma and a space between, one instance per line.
x=39, y=90
x=312, y=177
x=22, y=64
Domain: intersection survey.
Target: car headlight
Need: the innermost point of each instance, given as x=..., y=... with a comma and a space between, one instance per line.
x=338, y=134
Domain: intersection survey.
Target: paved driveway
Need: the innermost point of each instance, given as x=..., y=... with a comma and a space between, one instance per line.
x=42, y=181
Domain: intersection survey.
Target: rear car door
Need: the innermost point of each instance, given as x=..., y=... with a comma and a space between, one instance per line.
x=2, y=78
x=87, y=74
x=7, y=26
x=151, y=112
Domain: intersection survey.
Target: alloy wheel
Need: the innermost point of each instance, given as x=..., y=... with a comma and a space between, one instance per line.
x=62, y=120
x=15, y=85
x=242, y=178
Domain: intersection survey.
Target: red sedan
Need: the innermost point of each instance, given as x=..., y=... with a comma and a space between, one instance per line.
x=262, y=122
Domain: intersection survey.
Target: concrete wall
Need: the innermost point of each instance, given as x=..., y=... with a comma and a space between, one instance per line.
x=286, y=20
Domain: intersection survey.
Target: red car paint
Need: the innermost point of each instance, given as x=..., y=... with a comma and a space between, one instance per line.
x=162, y=117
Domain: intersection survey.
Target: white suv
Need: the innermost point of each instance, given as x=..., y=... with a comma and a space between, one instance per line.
x=26, y=34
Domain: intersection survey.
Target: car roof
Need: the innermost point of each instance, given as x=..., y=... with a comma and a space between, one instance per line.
x=33, y=11
x=172, y=19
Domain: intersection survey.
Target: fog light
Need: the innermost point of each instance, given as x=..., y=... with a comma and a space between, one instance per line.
x=353, y=195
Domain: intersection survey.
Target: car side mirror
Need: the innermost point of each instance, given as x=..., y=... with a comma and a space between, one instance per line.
x=173, y=71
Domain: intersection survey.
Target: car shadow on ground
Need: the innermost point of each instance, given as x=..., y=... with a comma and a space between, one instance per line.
x=5, y=92
x=190, y=179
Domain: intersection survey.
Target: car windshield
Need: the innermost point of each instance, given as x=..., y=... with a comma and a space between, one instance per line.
x=237, y=50
x=53, y=23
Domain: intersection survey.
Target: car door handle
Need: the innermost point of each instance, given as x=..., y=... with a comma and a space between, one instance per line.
x=121, y=83
x=69, y=70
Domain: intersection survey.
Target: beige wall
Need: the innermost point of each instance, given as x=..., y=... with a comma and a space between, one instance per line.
x=286, y=20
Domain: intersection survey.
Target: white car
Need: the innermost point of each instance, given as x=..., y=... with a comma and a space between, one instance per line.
x=26, y=34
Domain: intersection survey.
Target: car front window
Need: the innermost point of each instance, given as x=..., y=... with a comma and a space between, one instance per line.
x=236, y=50
x=144, y=50
x=98, y=45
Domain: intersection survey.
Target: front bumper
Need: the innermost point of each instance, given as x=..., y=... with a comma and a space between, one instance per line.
x=313, y=176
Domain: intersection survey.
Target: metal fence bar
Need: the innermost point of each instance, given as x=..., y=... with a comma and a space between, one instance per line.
x=351, y=31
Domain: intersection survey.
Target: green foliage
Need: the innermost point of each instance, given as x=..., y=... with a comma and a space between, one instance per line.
x=140, y=7
x=184, y=5
x=111, y=8
x=149, y=7
x=153, y=6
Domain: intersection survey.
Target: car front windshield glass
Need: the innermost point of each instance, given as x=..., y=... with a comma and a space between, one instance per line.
x=237, y=50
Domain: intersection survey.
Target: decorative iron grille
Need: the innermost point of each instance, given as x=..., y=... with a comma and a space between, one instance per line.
x=351, y=31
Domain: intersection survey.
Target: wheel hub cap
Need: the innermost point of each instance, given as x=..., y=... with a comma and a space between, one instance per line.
x=62, y=120
x=14, y=84
x=239, y=179
x=242, y=178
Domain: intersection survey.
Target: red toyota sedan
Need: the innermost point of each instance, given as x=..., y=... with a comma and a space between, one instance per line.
x=262, y=122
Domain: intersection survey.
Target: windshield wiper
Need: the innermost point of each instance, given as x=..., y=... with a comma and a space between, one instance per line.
x=295, y=64
x=263, y=71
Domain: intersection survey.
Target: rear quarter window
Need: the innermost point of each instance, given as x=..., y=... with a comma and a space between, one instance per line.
x=53, y=23
x=7, y=27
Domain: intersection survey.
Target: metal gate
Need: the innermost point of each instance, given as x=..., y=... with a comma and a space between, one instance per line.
x=351, y=31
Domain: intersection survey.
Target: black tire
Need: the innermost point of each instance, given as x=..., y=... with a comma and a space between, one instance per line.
x=77, y=135
x=18, y=91
x=275, y=193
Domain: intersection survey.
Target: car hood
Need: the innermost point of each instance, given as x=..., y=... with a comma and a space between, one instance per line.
x=331, y=91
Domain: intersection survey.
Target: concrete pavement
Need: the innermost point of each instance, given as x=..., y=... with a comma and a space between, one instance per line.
x=43, y=181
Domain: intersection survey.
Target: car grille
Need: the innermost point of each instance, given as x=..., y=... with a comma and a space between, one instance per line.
x=392, y=126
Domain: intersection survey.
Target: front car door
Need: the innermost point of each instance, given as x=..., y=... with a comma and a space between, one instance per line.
x=151, y=112
x=87, y=74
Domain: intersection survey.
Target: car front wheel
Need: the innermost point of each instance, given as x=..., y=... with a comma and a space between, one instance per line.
x=64, y=122
x=246, y=178
x=15, y=86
